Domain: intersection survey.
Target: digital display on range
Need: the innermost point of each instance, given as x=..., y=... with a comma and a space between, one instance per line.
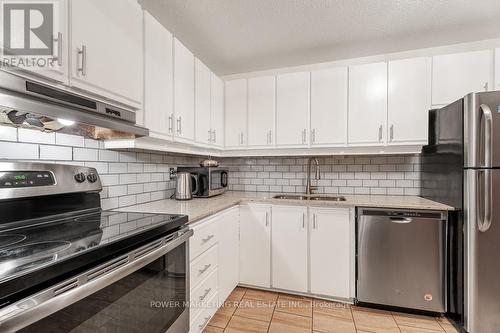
x=11, y=179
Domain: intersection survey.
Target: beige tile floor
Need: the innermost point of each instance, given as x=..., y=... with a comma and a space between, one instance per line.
x=256, y=311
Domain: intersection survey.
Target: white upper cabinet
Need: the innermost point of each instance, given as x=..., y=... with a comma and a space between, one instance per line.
x=217, y=110
x=497, y=68
x=292, y=109
x=329, y=107
x=409, y=100
x=331, y=251
x=183, y=92
x=289, y=248
x=158, y=78
x=255, y=245
x=236, y=113
x=106, y=49
x=367, y=104
x=456, y=75
x=202, y=102
x=261, y=109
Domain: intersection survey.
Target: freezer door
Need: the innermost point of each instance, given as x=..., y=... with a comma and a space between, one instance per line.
x=482, y=130
x=400, y=262
x=482, y=198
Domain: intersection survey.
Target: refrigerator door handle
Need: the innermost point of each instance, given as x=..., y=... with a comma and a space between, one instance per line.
x=488, y=127
x=484, y=219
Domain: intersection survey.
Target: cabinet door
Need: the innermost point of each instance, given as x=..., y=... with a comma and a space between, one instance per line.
x=255, y=245
x=497, y=68
x=330, y=252
x=409, y=100
x=202, y=103
x=106, y=51
x=53, y=66
x=289, y=248
x=158, y=78
x=236, y=113
x=456, y=75
x=228, y=231
x=261, y=108
x=292, y=109
x=217, y=114
x=183, y=92
x=329, y=107
x=367, y=104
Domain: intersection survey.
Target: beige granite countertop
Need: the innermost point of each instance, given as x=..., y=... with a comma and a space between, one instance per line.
x=199, y=208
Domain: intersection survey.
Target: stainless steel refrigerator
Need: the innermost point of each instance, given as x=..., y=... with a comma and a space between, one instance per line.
x=461, y=167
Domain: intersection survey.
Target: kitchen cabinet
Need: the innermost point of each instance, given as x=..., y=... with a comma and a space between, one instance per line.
x=409, y=100
x=456, y=75
x=289, y=248
x=228, y=232
x=367, y=104
x=329, y=107
x=255, y=245
x=203, y=103
x=261, y=109
x=183, y=93
x=497, y=69
x=57, y=63
x=107, y=53
x=236, y=113
x=330, y=251
x=217, y=110
x=158, y=78
x=292, y=109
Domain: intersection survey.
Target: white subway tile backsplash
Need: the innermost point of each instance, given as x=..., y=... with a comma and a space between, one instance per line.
x=58, y=153
x=35, y=136
x=70, y=140
x=108, y=156
x=128, y=178
x=117, y=168
x=18, y=151
x=8, y=133
x=84, y=154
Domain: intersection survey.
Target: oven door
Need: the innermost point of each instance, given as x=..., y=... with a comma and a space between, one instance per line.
x=144, y=291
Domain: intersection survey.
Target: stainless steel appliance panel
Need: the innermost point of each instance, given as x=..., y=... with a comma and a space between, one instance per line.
x=483, y=247
x=400, y=259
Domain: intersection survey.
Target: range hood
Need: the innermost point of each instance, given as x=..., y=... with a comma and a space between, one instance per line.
x=29, y=104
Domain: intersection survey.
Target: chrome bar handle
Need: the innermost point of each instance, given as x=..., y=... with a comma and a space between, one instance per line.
x=209, y=237
x=380, y=133
x=179, y=125
x=303, y=220
x=267, y=219
x=488, y=127
x=214, y=139
x=170, y=123
x=204, y=269
x=205, y=322
x=209, y=135
x=314, y=221
x=241, y=138
x=313, y=135
x=485, y=224
x=59, y=42
x=392, y=132
x=205, y=294
x=486, y=84
x=83, y=54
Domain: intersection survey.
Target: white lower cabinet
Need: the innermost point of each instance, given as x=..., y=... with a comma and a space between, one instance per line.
x=331, y=258
x=213, y=255
x=289, y=248
x=255, y=245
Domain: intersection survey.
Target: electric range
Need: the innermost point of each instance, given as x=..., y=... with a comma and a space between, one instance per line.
x=61, y=256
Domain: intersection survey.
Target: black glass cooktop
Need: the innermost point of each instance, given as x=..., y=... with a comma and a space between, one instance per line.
x=39, y=253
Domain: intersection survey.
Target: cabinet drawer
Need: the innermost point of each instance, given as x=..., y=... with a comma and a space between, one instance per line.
x=205, y=235
x=203, y=265
x=202, y=293
x=202, y=318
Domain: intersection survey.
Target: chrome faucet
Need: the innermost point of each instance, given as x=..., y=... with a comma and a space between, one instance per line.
x=317, y=176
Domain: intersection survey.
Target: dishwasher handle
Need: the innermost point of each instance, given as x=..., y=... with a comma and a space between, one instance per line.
x=401, y=220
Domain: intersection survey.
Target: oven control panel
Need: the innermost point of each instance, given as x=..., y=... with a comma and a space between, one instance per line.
x=14, y=179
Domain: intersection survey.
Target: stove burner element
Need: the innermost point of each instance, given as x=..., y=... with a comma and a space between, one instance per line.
x=33, y=251
x=11, y=239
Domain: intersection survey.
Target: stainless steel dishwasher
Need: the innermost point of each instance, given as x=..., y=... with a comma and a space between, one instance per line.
x=401, y=258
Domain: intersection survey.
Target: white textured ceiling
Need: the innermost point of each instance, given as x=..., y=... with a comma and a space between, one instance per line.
x=235, y=36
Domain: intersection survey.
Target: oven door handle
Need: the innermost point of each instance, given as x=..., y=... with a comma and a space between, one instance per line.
x=33, y=308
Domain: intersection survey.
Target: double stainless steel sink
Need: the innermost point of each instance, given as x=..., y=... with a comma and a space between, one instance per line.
x=309, y=197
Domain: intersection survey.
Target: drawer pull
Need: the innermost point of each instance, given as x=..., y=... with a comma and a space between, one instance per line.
x=205, y=322
x=204, y=240
x=207, y=291
x=204, y=269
